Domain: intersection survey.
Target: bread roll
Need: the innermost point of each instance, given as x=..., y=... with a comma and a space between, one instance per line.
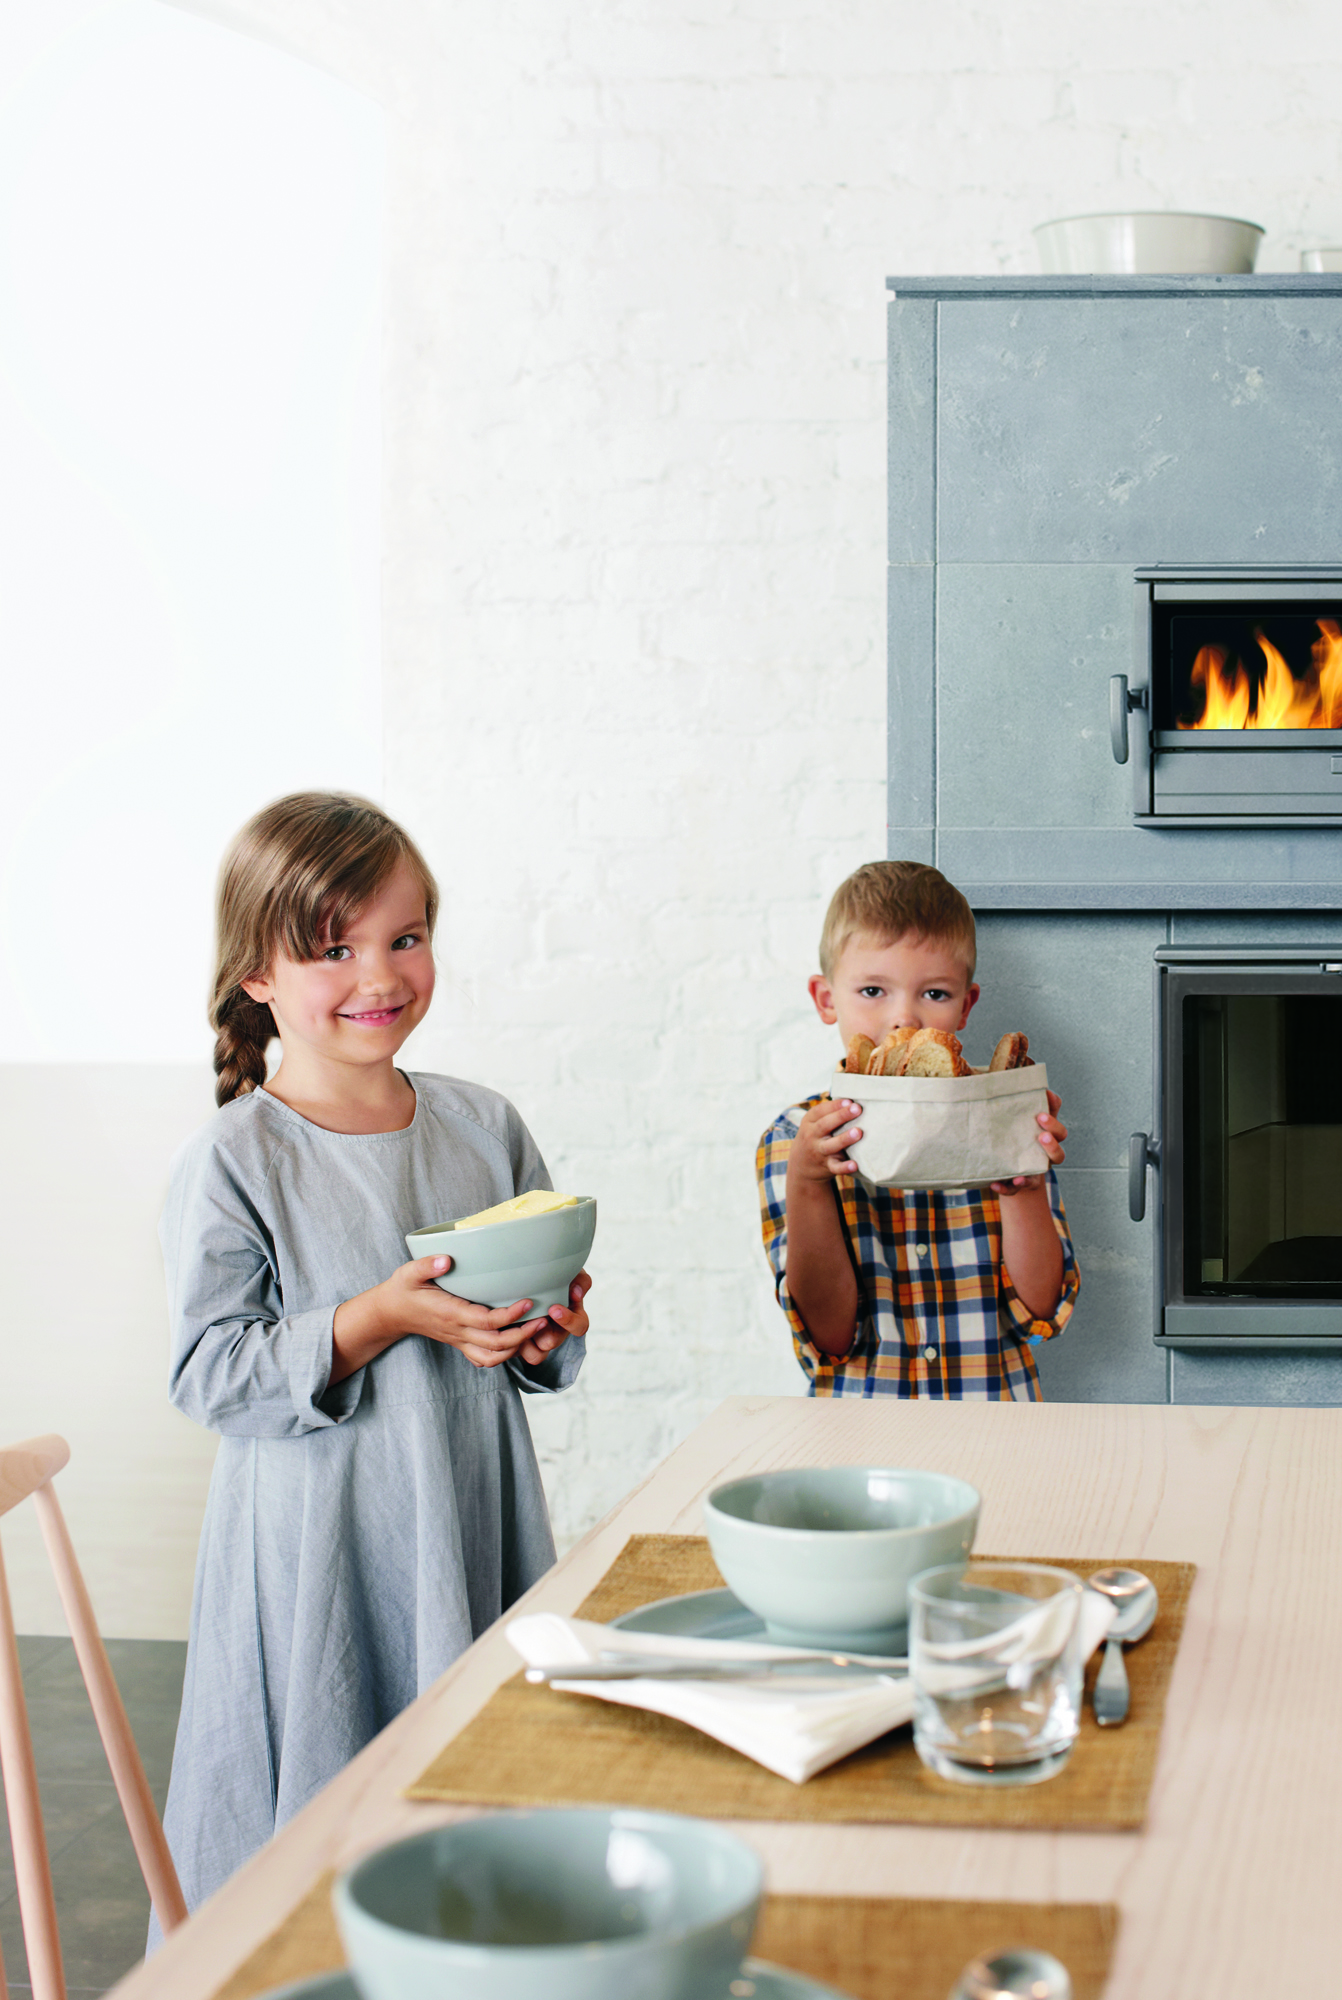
x=1012, y=1052
x=886, y=1060
x=859, y=1055
x=933, y=1052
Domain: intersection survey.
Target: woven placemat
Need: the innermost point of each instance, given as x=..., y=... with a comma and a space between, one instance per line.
x=531, y=1746
x=875, y=1948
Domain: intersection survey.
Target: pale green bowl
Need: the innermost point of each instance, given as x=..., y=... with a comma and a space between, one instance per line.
x=583, y=1905
x=825, y=1554
x=535, y=1257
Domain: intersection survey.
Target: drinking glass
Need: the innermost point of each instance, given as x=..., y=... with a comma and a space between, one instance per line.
x=995, y=1659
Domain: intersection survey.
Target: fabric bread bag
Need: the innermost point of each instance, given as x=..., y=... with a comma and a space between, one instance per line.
x=949, y=1131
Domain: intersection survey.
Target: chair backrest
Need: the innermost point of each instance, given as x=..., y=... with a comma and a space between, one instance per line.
x=27, y=1470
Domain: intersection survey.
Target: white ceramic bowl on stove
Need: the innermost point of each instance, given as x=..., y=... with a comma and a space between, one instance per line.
x=1150, y=242
x=825, y=1554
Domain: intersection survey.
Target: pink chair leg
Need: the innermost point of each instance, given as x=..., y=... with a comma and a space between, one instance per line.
x=32, y=1870
x=137, y=1801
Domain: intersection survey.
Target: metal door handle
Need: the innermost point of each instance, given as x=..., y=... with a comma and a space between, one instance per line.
x=1122, y=701
x=1143, y=1152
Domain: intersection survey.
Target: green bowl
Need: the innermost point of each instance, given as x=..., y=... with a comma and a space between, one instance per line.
x=582, y=1905
x=533, y=1257
x=825, y=1554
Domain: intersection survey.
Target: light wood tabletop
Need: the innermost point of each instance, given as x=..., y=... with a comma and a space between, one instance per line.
x=1230, y=1887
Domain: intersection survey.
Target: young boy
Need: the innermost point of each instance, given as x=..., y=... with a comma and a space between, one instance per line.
x=892, y=1293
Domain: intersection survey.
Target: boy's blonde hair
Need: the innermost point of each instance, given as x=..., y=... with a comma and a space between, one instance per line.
x=298, y=873
x=894, y=899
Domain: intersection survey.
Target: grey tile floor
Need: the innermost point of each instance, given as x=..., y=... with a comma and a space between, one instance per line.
x=102, y=1906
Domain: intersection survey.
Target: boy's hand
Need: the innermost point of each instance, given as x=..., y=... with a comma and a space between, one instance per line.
x=817, y=1152
x=561, y=1323
x=1050, y=1135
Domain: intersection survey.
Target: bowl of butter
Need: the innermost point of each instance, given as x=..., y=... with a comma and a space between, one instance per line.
x=530, y=1247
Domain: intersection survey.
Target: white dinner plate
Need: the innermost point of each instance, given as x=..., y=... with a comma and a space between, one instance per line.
x=756, y=1981
x=704, y=1614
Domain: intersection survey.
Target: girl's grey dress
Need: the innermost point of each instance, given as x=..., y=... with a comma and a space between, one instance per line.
x=356, y=1538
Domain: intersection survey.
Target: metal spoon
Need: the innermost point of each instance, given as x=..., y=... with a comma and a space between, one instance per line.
x=1036, y=1974
x=1134, y=1597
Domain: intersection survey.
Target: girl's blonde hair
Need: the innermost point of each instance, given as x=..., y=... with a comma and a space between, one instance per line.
x=296, y=877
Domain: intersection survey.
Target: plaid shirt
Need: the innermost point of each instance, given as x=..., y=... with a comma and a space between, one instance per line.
x=938, y=1314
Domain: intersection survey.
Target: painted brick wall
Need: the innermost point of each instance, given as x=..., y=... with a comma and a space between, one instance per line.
x=634, y=505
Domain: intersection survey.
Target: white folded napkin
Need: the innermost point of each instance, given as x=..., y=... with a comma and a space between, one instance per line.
x=795, y=1726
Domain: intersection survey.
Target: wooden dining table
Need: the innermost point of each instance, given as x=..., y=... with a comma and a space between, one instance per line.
x=1229, y=1889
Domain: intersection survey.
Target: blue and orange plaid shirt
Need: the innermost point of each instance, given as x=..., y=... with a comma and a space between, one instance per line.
x=938, y=1314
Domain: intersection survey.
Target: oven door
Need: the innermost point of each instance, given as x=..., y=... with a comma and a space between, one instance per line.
x=1250, y=1095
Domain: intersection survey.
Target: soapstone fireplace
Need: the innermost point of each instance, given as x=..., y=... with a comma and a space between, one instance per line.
x=1147, y=818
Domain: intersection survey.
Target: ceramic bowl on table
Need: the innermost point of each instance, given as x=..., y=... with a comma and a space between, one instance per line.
x=534, y=1257
x=824, y=1554
x=1151, y=242
x=582, y=1905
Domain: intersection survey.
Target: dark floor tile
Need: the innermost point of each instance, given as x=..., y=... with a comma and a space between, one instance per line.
x=148, y=1672
x=68, y=1810
x=148, y=1675
x=34, y=1653
x=102, y=1905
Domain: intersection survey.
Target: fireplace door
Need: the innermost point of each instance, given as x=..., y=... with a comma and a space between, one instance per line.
x=1240, y=698
x=1251, y=1150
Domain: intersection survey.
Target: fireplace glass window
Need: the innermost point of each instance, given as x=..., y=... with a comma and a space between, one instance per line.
x=1262, y=1158
x=1279, y=667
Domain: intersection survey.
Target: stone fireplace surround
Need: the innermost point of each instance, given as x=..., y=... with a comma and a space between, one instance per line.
x=1047, y=438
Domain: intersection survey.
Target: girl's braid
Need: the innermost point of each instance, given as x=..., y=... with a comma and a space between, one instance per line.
x=244, y=1030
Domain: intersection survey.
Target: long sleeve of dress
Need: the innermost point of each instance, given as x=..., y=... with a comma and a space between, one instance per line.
x=241, y=1366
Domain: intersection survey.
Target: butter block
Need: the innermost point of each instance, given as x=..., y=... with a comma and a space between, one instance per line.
x=538, y=1202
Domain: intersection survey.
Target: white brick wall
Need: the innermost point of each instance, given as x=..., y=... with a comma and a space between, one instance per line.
x=634, y=505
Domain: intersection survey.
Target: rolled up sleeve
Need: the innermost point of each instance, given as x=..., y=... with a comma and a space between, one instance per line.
x=240, y=1365
x=1015, y=1316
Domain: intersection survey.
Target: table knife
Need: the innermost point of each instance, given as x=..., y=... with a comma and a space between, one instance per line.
x=632, y=1667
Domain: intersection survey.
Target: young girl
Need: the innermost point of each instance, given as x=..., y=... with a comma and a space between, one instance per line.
x=376, y=1501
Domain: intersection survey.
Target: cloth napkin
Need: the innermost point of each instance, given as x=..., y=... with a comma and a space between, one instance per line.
x=795, y=1725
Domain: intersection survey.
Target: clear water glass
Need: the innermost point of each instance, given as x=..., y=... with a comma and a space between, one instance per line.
x=995, y=1659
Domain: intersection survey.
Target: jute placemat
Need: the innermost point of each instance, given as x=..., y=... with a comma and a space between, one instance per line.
x=532, y=1746
x=875, y=1948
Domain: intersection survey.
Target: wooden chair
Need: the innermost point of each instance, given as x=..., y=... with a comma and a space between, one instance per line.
x=29, y=1469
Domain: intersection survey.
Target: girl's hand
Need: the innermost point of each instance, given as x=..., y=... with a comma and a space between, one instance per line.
x=410, y=1302
x=559, y=1324
x=1051, y=1135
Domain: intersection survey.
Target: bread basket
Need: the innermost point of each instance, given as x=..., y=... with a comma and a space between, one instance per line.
x=947, y=1131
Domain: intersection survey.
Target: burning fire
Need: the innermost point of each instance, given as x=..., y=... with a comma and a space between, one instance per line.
x=1233, y=699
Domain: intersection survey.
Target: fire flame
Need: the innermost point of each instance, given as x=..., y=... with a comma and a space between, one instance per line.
x=1231, y=700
